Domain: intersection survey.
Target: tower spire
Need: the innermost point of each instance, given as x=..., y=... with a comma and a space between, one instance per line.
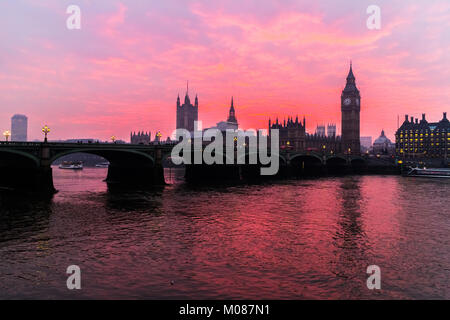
x=232, y=113
x=350, y=86
x=350, y=72
x=187, y=101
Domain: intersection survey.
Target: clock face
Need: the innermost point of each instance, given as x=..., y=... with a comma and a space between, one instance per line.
x=347, y=101
x=357, y=102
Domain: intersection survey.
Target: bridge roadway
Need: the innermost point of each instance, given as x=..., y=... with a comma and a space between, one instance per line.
x=27, y=165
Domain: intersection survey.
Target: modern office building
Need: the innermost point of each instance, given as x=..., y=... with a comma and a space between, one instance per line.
x=19, y=127
x=366, y=142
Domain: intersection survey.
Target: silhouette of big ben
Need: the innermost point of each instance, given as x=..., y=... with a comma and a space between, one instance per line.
x=350, y=109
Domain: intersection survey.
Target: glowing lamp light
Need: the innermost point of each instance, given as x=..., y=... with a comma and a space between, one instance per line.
x=113, y=139
x=7, y=134
x=45, y=130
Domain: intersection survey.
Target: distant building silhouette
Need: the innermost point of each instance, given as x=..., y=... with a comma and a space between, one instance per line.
x=231, y=122
x=331, y=130
x=187, y=112
x=366, y=143
x=140, y=138
x=293, y=133
x=19, y=127
x=382, y=145
x=320, y=130
x=293, y=136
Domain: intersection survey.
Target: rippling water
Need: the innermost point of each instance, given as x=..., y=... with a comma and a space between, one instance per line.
x=287, y=240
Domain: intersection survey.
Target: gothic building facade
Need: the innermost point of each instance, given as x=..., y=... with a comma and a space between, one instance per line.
x=293, y=133
x=350, y=109
x=187, y=113
x=140, y=138
x=293, y=136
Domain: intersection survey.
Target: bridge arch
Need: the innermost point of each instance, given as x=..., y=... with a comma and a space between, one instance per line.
x=247, y=155
x=127, y=166
x=112, y=155
x=20, y=170
x=306, y=164
x=336, y=158
x=20, y=155
x=337, y=165
x=306, y=156
x=250, y=171
x=358, y=164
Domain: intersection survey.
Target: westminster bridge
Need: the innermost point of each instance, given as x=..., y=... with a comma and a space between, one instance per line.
x=27, y=165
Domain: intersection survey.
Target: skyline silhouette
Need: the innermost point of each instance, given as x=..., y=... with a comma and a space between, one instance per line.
x=124, y=68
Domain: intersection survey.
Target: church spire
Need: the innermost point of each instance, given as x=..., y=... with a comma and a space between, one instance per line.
x=232, y=113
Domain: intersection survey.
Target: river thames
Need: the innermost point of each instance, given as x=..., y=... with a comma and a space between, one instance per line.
x=292, y=239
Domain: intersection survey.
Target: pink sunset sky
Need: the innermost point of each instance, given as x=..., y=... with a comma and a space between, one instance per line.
x=123, y=69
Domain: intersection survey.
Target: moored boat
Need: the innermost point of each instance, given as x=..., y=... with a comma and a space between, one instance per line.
x=102, y=165
x=429, y=172
x=71, y=165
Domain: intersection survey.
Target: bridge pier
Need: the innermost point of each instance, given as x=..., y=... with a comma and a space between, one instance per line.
x=24, y=174
x=142, y=175
x=28, y=179
x=139, y=174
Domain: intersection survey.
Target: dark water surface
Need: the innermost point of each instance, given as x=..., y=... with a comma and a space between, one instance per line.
x=287, y=240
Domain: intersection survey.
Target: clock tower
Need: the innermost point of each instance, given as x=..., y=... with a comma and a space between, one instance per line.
x=350, y=107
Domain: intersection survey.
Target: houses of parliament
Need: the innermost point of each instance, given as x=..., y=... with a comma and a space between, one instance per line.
x=292, y=133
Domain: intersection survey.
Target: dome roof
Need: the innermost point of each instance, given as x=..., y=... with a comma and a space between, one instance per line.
x=382, y=139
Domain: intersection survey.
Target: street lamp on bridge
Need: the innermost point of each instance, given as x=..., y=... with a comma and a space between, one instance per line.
x=45, y=130
x=158, y=136
x=7, y=134
x=113, y=138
